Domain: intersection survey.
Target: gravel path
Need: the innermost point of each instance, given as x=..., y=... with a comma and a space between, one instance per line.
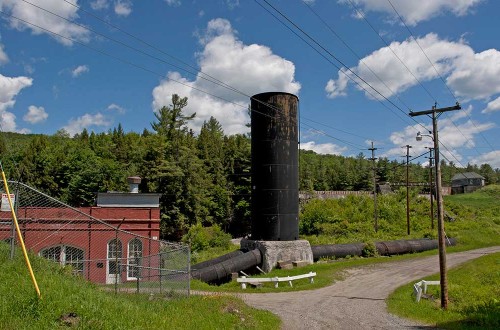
x=358, y=301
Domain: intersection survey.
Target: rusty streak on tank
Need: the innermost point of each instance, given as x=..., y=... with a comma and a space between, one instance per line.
x=275, y=167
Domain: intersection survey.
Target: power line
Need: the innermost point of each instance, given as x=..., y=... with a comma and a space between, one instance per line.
x=440, y=76
x=337, y=129
x=342, y=65
x=353, y=52
x=393, y=52
x=355, y=146
x=338, y=60
x=418, y=44
x=212, y=79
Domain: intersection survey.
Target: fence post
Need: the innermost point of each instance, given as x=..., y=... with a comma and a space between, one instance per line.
x=118, y=268
x=189, y=268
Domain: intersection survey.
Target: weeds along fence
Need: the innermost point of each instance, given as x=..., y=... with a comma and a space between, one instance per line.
x=115, y=247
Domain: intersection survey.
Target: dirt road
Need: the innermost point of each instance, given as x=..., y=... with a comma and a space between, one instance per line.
x=358, y=302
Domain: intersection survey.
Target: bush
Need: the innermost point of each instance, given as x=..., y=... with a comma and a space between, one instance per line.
x=202, y=238
x=370, y=250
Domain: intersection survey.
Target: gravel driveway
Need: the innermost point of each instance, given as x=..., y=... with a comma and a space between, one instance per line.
x=358, y=301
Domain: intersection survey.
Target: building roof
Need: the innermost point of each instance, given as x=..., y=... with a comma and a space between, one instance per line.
x=118, y=199
x=467, y=175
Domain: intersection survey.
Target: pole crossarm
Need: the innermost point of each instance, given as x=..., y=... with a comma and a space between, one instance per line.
x=434, y=110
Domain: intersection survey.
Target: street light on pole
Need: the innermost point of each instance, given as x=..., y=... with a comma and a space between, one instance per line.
x=419, y=138
x=439, y=197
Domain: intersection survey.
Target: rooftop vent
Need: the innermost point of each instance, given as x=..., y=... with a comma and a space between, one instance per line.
x=134, y=182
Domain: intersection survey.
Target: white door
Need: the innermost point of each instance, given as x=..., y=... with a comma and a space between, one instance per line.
x=113, y=268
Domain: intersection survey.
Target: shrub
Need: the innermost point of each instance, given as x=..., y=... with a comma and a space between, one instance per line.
x=202, y=238
x=370, y=250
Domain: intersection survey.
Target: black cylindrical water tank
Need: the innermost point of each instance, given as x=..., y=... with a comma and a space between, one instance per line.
x=275, y=167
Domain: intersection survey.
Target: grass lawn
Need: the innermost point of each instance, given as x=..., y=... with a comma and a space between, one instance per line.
x=474, y=298
x=96, y=309
x=476, y=224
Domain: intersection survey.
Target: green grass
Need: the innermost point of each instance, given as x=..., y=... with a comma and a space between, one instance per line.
x=475, y=219
x=96, y=309
x=477, y=224
x=488, y=198
x=327, y=272
x=474, y=298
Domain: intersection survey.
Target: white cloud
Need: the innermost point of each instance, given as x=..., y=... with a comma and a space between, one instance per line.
x=492, y=106
x=335, y=88
x=8, y=121
x=46, y=20
x=3, y=56
x=35, y=115
x=492, y=158
x=414, y=12
x=29, y=69
x=75, y=126
x=99, y=4
x=173, y=3
x=232, y=3
x=241, y=66
x=452, y=134
x=123, y=7
x=116, y=107
x=323, y=148
x=79, y=70
x=472, y=76
x=476, y=76
x=9, y=88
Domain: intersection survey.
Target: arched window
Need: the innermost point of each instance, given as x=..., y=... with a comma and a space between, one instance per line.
x=65, y=255
x=114, y=261
x=134, y=259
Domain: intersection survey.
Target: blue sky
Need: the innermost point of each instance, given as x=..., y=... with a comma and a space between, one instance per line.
x=364, y=72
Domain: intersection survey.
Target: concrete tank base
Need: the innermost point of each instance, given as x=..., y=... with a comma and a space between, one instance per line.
x=274, y=251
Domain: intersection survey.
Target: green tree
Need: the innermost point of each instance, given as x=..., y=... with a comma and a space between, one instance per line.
x=172, y=167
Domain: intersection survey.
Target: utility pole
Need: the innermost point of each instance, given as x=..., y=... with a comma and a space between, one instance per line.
x=407, y=188
x=431, y=187
x=441, y=235
x=375, y=212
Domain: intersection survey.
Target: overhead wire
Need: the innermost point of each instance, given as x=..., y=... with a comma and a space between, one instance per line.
x=356, y=146
x=332, y=30
x=439, y=75
x=210, y=79
x=360, y=14
x=339, y=67
x=148, y=70
x=203, y=75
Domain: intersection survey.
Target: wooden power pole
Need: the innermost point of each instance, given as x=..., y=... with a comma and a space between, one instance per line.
x=374, y=168
x=431, y=194
x=407, y=188
x=434, y=112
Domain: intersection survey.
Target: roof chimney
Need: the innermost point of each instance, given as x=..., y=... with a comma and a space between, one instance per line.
x=134, y=182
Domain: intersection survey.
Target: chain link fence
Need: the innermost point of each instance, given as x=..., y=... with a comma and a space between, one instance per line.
x=115, y=247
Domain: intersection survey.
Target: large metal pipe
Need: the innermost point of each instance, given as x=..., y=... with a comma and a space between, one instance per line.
x=337, y=250
x=224, y=269
x=217, y=260
x=383, y=248
x=275, y=167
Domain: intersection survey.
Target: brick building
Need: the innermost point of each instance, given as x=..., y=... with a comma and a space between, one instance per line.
x=87, y=238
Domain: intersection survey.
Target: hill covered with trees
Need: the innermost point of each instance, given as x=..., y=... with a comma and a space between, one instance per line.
x=204, y=179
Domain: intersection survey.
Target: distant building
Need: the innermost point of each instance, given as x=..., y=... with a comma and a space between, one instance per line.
x=466, y=182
